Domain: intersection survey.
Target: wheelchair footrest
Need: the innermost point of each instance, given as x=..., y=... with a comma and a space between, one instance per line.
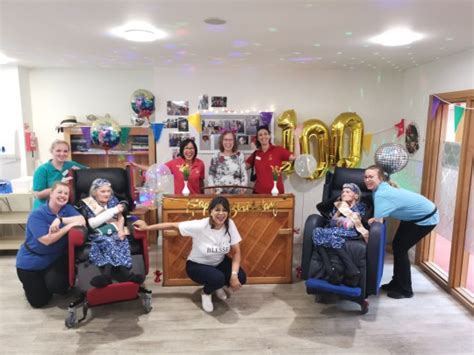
x=314, y=285
x=115, y=292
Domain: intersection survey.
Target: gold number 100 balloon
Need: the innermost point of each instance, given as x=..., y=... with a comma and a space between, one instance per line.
x=330, y=147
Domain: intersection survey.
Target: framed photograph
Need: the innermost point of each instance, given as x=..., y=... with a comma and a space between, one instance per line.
x=203, y=102
x=205, y=142
x=183, y=125
x=219, y=101
x=174, y=153
x=244, y=127
x=177, y=108
x=171, y=122
x=175, y=139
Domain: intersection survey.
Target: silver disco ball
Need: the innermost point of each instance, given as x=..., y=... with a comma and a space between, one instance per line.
x=392, y=157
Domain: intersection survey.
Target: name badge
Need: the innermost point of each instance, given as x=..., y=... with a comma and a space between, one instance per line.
x=258, y=158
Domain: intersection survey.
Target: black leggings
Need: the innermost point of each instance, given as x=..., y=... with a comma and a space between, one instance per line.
x=213, y=277
x=408, y=234
x=39, y=285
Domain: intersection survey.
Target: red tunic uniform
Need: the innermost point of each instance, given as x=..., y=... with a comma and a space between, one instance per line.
x=274, y=156
x=196, y=175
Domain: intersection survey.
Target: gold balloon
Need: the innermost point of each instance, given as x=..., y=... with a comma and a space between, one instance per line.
x=316, y=129
x=353, y=122
x=287, y=122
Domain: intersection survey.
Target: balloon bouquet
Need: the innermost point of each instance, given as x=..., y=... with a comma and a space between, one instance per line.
x=143, y=106
x=105, y=132
x=158, y=180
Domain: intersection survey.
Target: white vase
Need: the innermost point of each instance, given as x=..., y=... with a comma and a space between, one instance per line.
x=185, y=191
x=275, y=189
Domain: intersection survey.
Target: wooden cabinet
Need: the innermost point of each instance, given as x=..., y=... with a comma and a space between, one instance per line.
x=265, y=224
x=139, y=148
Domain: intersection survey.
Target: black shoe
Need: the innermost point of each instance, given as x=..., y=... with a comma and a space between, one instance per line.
x=399, y=295
x=100, y=281
x=391, y=286
x=138, y=279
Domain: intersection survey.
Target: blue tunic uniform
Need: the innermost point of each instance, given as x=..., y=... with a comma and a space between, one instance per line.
x=37, y=226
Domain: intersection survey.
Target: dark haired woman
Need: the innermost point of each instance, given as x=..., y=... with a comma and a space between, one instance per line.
x=214, y=261
x=417, y=215
x=264, y=159
x=227, y=167
x=187, y=156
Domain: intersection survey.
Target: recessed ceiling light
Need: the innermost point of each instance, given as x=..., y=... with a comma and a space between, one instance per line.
x=139, y=32
x=397, y=37
x=215, y=21
x=4, y=59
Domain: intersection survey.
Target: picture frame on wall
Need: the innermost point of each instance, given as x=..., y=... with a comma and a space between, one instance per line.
x=183, y=125
x=244, y=126
x=177, y=108
x=175, y=139
x=171, y=122
x=219, y=101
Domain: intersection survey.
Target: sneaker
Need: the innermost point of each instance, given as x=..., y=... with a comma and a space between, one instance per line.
x=207, y=302
x=220, y=294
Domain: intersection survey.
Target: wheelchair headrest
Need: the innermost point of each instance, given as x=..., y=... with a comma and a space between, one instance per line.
x=344, y=175
x=119, y=178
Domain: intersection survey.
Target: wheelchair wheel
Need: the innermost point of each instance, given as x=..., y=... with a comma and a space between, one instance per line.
x=71, y=319
x=364, y=307
x=146, y=302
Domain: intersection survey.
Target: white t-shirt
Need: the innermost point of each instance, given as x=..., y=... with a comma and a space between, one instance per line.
x=209, y=245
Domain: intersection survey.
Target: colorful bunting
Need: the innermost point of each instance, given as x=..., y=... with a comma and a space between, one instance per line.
x=195, y=121
x=266, y=118
x=157, y=127
x=367, y=142
x=124, y=135
x=86, y=132
x=434, y=107
x=458, y=113
x=400, y=127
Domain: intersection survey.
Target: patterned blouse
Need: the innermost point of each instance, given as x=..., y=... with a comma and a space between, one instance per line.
x=227, y=170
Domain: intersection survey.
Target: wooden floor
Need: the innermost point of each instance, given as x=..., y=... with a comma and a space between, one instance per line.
x=260, y=319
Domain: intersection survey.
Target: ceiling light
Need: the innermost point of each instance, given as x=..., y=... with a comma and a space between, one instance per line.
x=397, y=37
x=139, y=32
x=215, y=21
x=4, y=59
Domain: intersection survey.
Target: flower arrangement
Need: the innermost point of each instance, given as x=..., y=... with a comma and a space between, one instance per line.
x=276, y=172
x=185, y=170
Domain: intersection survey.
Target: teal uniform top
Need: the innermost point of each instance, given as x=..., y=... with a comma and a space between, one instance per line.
x=46, y=175
x=403, y=205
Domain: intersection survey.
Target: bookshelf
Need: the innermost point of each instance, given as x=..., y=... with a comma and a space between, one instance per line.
x=139, y=148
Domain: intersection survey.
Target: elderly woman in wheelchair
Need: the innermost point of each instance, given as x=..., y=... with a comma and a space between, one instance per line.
x=345, y=224
x=110, y=249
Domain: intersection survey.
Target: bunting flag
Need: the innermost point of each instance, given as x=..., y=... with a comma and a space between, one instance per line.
x=458, y=113
x=367, y=142
x=400, y=127
x=86, y=132
x=266, y=118
x=434, y=106
x=157, y=127
x=124, y=132
x=194, y=121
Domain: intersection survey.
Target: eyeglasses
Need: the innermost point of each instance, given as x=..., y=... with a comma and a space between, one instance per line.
x=220, y=211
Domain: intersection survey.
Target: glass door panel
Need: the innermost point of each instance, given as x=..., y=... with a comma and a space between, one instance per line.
x=446, y=188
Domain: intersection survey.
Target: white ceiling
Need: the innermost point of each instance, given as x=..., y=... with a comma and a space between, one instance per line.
x=313, y=34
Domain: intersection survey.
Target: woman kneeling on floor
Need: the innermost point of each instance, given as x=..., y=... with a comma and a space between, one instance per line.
x=214, y=260
x=110, y=249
